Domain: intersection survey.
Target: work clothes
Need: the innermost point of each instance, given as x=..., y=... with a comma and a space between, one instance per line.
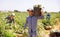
x=31, y=22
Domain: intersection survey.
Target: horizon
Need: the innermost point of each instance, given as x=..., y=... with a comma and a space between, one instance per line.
x=23, y=5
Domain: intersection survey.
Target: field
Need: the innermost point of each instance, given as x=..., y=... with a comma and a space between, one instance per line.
x=20, y=19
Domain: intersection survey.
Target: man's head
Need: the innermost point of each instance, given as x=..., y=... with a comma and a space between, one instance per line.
x=13, y=14
x=30, y=12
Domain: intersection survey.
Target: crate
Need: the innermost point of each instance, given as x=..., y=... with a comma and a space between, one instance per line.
x=37, y=11
x=55, y=34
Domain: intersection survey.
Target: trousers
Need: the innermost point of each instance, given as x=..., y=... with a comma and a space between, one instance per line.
x=32, y=33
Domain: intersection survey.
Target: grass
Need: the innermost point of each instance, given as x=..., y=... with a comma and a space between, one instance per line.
x=20, y=19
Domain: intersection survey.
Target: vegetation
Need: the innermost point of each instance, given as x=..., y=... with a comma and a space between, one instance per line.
x=20, y=19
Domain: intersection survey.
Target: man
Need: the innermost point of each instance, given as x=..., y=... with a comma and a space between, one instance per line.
x=31, y=22
x=10, y=19
x=48, y=16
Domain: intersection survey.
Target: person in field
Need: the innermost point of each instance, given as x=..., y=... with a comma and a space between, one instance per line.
x=10, y=19
x=48, y=16
x=31, y=22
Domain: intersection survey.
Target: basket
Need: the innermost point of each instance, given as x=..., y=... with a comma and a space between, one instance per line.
x=19, y=35
x=37, y=11
x=47, y=27
x=55, y=34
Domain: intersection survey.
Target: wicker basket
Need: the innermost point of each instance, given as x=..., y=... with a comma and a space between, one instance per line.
x=55, y=34
x=19, y=35
x=48, y=27
x=37, y=10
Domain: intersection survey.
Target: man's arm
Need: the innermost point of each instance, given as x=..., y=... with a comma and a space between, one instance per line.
x=42, y=15
x=6, y=17
x=25, y=25
x=13, y=21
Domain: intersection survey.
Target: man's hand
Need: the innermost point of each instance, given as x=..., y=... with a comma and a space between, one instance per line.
x=24, y=31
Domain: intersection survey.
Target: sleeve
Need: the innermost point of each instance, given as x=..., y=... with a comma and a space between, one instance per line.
x=25, y=25
x=13, y=21
x=42, y=12
x=42, y=16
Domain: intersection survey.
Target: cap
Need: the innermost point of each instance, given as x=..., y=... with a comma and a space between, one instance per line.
x=13, y=14
x=30, y=10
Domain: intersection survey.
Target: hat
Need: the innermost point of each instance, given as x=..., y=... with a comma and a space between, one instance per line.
x=30, y=10
x=13, y=14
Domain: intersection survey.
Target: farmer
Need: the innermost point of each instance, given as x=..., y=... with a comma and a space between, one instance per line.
x=31, y=22
x=48, y=16
x=10, y=19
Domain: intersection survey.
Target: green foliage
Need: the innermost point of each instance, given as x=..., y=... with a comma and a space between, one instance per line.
x=8, y=33
x=20, y=19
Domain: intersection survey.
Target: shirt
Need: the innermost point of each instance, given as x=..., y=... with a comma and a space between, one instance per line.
x=31, y=22
x=48, y=16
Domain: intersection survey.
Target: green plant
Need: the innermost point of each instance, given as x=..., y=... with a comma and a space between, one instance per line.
x=8, y=33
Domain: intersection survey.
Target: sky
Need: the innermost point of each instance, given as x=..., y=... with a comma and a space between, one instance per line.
x=23, y=5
